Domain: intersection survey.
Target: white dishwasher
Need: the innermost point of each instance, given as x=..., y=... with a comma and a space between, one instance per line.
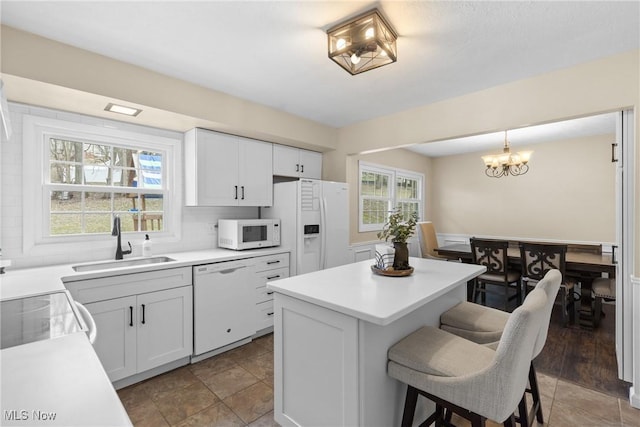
x=223, y=304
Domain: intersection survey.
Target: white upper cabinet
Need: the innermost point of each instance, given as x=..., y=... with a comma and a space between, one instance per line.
x=296, y=162
x=227, y=170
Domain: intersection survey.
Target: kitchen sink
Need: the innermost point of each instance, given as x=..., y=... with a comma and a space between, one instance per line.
x=109, y=265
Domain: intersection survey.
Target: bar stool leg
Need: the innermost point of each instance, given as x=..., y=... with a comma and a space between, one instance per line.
x=409, y=406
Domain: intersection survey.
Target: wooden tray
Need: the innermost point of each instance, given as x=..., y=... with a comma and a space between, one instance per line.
x=392, y=273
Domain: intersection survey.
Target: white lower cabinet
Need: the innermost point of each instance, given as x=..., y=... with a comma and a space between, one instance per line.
x=116, y=339
x=267, y=269
x=144, y=320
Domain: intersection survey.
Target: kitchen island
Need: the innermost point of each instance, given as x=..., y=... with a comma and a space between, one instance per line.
x=332, y=332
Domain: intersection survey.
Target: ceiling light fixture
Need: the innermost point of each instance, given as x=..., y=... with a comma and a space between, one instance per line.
x=363, y=43
x=121, y=109
x=505, y=163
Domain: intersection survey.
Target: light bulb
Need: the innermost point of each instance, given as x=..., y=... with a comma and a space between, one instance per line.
x=369, y=33
x=355, y=59
x=341, y=43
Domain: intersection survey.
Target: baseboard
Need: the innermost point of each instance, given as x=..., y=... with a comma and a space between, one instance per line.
x=634, y=398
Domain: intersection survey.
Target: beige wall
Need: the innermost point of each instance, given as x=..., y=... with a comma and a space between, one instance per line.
x=397, y=158
x=605, y=85
x=42, y=72
x=568, y=194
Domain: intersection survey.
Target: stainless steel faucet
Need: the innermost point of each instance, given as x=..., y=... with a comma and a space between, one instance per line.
x=116, y=232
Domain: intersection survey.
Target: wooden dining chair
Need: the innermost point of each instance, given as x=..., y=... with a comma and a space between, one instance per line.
x=537, y=259
x=428, y=240
x=493, y=255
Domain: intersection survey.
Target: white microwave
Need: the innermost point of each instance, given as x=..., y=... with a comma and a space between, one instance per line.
x=240, y=234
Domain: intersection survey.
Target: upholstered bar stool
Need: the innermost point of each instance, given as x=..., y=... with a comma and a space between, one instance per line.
x=467, y=378
x=484, y=325
x=602, y=289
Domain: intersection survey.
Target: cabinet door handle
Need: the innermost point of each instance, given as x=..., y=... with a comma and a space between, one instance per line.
x=613, y=254
x=270, y=293
x=130, y=315
x=236, y=196
x=273, y=262
x=613, y=152
x=302, y=168
x=242, y=192
x=273, y=277
x=297, y=167
x=143, y=314
x=270, y=314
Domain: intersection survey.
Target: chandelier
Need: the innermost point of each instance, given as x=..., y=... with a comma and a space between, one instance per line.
x=363, y=43
x=505, y=163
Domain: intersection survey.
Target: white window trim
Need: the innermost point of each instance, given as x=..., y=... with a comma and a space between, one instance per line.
x=394, y=172
x=35, y=201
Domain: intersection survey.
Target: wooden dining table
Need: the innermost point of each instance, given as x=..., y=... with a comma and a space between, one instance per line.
x=579, y=262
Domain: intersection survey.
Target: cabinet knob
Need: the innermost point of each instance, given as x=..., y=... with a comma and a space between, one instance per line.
x=228, y=330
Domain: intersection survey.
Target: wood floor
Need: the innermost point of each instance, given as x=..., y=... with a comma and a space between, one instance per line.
x=583, y=356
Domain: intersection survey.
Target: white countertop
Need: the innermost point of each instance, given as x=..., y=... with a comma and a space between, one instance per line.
x=29, y=281
x=62, y=378
x=354, y=290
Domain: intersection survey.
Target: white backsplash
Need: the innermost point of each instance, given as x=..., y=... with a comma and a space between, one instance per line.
x=198, y=223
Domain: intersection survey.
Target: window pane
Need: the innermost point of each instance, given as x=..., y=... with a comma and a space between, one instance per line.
x=129, y=221
x=407, y=208
x=98, y=223
x=65, y=151
x=65, y=223
x=65, y=173
x=150, y=170
x=374, y=184
x=374, y=211
x=153, y=202
x=123, y=157
x=97, y=202
x=125, y=202
x=406, y=188
x=65, y=201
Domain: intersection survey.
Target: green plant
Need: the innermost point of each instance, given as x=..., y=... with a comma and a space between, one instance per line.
x=397, y=228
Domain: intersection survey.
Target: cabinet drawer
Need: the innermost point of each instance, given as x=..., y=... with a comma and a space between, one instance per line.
x=270, y=275
x=263, y=294
x=265, y=315
x=92, y=290
x=271, y=262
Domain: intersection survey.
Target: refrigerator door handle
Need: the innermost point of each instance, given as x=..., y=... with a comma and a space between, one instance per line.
x=323, y=233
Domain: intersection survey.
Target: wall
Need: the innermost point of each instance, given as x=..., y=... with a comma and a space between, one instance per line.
x=84, y=82
x=398, y=158
x=604, y=85
x=194, y=233
x=568, y=194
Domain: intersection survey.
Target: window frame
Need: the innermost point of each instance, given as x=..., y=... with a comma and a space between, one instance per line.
x=393, y=201
x=36, y=178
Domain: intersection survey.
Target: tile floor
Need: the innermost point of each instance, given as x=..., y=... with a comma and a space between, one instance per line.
x=236, y=389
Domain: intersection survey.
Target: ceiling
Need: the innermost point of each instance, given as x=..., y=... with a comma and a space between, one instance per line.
x=275, y=52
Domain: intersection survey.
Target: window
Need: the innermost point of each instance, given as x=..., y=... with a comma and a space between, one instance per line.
x=89, y=183
x=383, y=189
x=88, y=174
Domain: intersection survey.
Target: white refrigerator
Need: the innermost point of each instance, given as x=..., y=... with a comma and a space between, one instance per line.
x=314, y=219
